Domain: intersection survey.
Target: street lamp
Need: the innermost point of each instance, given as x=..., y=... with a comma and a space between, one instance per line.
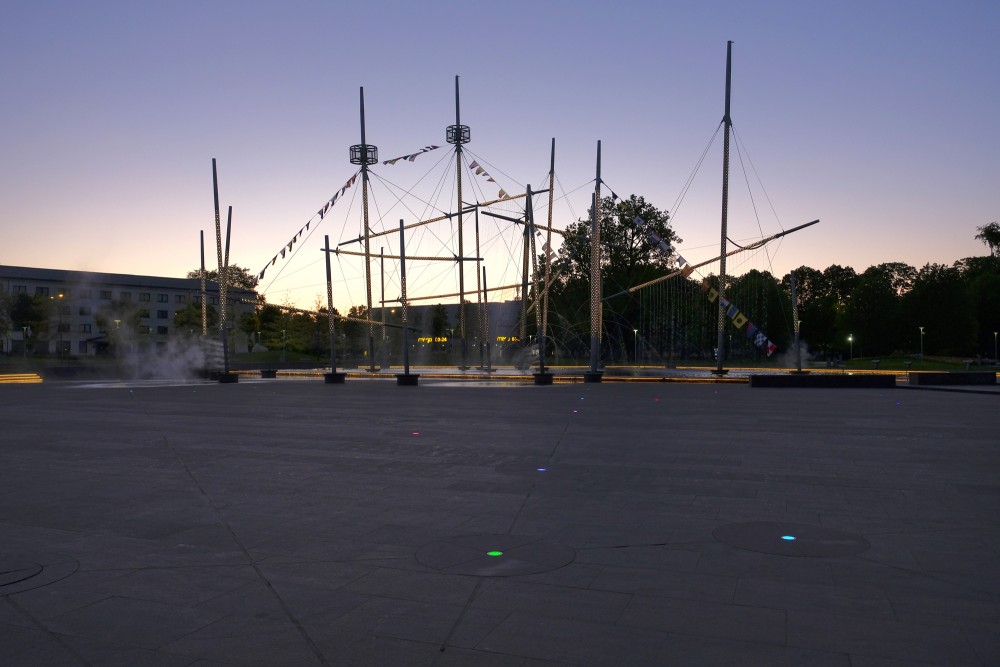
x=635, y=346
x=850, y=339
x=921, y=343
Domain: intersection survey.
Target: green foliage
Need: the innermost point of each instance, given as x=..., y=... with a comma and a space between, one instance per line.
x=628, y=258
x=238, y=276
x=189, y=319
x=990, y=235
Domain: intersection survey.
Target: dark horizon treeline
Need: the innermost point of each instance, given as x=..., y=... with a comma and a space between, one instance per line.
x=882, y=309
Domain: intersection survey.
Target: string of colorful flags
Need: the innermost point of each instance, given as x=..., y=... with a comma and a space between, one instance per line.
x=321, y=213
x=478, y=170
x=738, y=319
x=412, y=156
x=663, y=246
x=758, y=337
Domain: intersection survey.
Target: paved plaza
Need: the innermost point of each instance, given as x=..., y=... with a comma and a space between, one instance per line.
x=291, y=522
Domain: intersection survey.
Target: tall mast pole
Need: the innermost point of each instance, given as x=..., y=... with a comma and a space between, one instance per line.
x=381, y=309
x=364, y=155
x=479, y=294
x=204, y=295
x=458, y=134
x=548, y=258
x=727, y=122
x=595, y=276
x=523, y=333
x=331, y=332
x=221, y=276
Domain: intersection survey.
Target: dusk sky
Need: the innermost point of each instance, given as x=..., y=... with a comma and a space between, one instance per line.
x=878, y=118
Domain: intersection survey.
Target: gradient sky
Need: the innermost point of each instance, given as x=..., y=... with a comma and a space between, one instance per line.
x=878, y=118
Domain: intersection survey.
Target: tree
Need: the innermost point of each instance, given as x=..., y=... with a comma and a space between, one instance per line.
x=874, y=309
x=628, y=257
x=990, y=235
x=189, y=319
x=249, y=325
x=238, y=277
x=941, y=303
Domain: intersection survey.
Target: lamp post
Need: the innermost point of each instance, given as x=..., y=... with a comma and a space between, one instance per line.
x=995, y=347
x=850, y=340
x=635, y=346
x=282, y=346
x=24, y=341
x=921, y=343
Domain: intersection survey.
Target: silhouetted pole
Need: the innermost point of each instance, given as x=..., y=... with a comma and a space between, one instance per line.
x=204, y=295
x=402, y=298
x=329, y=305
x=727, y=123
x=364, y=155
x=459, y=134
x=221, y=278
x=548, y=258
x=595, y=275
x=486, y=325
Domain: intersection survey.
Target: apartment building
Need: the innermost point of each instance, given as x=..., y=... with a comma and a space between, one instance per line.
x=87, y=312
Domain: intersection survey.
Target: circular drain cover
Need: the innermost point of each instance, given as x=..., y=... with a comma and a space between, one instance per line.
x=494, y=555
x=23, y=572
x=790, y=539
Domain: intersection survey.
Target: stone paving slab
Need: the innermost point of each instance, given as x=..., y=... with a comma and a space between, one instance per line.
x=278, y=522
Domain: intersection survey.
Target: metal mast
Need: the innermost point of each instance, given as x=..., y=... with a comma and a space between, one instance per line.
x=727, y=122
x=548, y=262
x=595, y=278
x=363, y=154
x=459, y=134
x=222, y=271
x=204, y=295
x=523, y=332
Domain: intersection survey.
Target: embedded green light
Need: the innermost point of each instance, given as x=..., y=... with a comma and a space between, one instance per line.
x=494, y=553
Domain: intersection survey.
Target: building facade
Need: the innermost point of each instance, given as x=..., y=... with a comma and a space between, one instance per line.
x=85, y=313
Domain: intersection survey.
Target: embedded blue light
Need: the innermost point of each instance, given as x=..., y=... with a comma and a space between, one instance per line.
x=541, y=469
x=788, y=537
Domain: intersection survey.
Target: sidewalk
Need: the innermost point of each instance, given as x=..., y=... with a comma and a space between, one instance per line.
x=289, y=522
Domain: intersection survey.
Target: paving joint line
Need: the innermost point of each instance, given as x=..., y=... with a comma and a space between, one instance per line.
x=236, y=540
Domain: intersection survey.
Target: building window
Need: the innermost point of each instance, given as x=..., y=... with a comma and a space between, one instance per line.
x=85, y=294
x=125, y=296
x=144, y=296
x=106, y=294
x=41, y=291
x=85, y=310
x=162, y=315
x=63, y=327
x=82, y=347
x=144, y=328
x=84, y=328
x=179, y=298
x=196, y=300
x=64, y=309
x=161, y=330
x=20, y=289
x=162, y=298
x=213, y=300
x=143, y=313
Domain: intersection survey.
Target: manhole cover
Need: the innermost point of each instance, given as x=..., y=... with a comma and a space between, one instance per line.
x=495, y=555
x=791, y=539
x=23, y=572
